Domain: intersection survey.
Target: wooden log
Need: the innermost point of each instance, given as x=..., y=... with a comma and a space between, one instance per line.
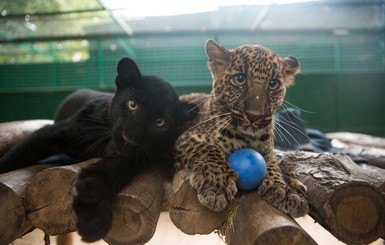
x=358, y=139
x=375, y=156
x=136, y=208
x=13, y=222
x=370, y=169
x=48, y=198
x=187, y=213
x=249, y=220
x=369, y=147
x=257, y=222
x=343, y=198
x=13, y=132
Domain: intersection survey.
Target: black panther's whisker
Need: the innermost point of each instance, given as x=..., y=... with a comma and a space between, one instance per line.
x=207, y=120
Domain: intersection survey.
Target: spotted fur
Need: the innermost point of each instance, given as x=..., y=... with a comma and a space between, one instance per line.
x=249, y=85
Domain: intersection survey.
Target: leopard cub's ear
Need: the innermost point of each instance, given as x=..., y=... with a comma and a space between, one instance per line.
x=215, y=52
x=292, y=67
x=189, y=110
x=218, y=58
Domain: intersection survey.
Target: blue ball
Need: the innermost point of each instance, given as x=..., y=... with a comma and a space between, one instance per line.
x=250, y=166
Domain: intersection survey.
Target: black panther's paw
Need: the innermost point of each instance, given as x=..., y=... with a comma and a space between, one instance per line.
x=92, y=208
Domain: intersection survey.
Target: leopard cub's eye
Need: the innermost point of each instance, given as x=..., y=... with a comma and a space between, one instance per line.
x=132, y=105
x=238, y=79
x=160, y=122
x=274, y=84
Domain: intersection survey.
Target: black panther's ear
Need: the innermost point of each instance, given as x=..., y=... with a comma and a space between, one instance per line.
x=190, y=110
x=127, y=68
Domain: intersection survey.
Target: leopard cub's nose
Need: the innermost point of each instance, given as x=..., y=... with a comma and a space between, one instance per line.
x=253, y=117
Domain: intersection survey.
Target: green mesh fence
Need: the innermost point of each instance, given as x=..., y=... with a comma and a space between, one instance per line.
x=180, y=60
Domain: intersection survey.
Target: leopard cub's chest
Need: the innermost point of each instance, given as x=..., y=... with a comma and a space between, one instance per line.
x=230, y=139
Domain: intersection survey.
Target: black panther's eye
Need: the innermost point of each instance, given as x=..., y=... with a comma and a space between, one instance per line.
x=274, y=84
x=132, y=105
x=160, y=122
x=238, y=79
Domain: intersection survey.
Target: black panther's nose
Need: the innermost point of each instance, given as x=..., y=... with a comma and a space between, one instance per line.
x=130, y=142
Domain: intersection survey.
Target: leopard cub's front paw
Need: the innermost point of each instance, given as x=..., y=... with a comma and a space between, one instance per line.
x=295, y=202
x=272, y=191
x=287, y=197
x=214, y=190
x=92, y=209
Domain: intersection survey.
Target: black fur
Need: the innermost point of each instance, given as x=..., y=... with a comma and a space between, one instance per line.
x=131, y=130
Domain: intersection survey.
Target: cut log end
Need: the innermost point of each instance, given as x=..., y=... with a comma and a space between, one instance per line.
x=11, y=210
x=188, y=214
x=48, y=198
x=358, y=213
x=136, y=210
x=130, y=227
x=13, y=222
x=50, y=193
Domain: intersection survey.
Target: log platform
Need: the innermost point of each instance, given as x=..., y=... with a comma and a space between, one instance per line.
x=345, y=198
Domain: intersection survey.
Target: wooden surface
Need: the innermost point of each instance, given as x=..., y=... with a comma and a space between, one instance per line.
x=249, y=220
x=345, y=199
x=166, y=233
x=14, y=222
x=42, y=197
x=348, y=200
x=136, y=209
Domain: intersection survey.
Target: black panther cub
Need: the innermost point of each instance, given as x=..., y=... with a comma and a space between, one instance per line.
x=132, y=130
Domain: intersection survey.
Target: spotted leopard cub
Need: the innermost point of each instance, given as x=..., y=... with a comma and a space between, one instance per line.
x=249, y=85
